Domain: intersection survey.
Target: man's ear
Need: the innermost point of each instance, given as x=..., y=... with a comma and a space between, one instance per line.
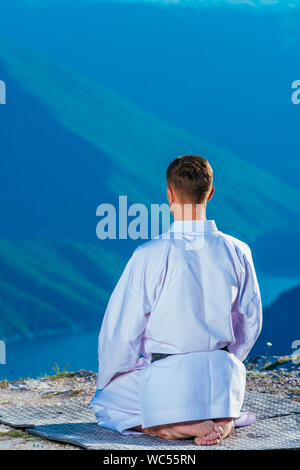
x=211, y=193
x=170, y=195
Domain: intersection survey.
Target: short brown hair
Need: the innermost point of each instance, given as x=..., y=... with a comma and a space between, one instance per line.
x=191, y=176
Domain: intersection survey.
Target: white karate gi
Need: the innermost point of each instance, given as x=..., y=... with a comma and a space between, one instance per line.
x=189, y=292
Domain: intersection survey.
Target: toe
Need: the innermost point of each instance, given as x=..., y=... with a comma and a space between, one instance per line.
x=198, y=441
x=212, y=437
x=213, y=443
x=218, y=429
x=202, y=442
x=209, y=439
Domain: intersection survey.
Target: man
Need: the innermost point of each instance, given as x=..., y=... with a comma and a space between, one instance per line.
x=182, y=318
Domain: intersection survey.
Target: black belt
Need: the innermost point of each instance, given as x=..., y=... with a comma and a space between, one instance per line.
x=158, y=356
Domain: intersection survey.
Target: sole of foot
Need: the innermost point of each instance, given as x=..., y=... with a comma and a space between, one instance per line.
x=185, y=430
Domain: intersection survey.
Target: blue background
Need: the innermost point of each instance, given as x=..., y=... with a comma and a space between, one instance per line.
x=101, y=96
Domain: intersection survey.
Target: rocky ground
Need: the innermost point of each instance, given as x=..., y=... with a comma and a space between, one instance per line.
x=279, y=376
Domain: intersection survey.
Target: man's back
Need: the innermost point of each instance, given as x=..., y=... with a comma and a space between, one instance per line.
x=193, y=289
x=192, y=275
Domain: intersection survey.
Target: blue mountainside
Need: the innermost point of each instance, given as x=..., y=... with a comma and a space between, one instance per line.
x=99, y=110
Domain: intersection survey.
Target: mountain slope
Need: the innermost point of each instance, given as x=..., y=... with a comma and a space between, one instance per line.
x=281, y=324
x=199, y=70
x=70, y=144
x=139, y=145
x=50, y=286
x=47, y=286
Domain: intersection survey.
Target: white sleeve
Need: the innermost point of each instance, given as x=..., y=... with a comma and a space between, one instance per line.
x=123, y=325
x=246, y=311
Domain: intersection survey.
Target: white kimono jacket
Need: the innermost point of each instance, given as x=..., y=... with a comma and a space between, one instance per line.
x=189, y=292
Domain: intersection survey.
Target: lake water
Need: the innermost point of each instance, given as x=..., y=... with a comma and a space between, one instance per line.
x=36, y=357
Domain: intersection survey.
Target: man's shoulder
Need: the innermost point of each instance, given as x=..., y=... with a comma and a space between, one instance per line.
x=150, y=256
x=156, y=244
x=235, y=243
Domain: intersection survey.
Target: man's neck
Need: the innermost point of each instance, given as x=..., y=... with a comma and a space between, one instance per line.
x=189, y=212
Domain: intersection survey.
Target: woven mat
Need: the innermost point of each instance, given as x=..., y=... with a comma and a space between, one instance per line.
x=276, y=427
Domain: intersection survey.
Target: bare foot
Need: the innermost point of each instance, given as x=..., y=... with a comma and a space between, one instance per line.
x=184, y=430
x=224, y=426
x=211, y=438
x=227, y=426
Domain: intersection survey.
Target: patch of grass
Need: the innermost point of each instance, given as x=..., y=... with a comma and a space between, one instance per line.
x=60, y=373
x=71, y=393
x=3, y=384
x=255, y=374
x=62, y=376
x=74, y=393
x=294, y=390
x=21, y=379
x=50, y=395
x=32, y=437
x=279, y=362
x=57, y=370
x=12, y=433
x=66, y=375
x=17, y=434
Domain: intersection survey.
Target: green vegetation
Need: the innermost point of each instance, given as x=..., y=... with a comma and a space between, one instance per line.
x=255, y=374
x=60, y=373
x=280, y=361
x=45, y=286
x=294, y=390
x=72, y=393
x=65, y=375
x=17, y=434
x=12, y=433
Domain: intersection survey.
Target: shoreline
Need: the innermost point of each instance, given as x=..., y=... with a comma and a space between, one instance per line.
x=50, y=333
